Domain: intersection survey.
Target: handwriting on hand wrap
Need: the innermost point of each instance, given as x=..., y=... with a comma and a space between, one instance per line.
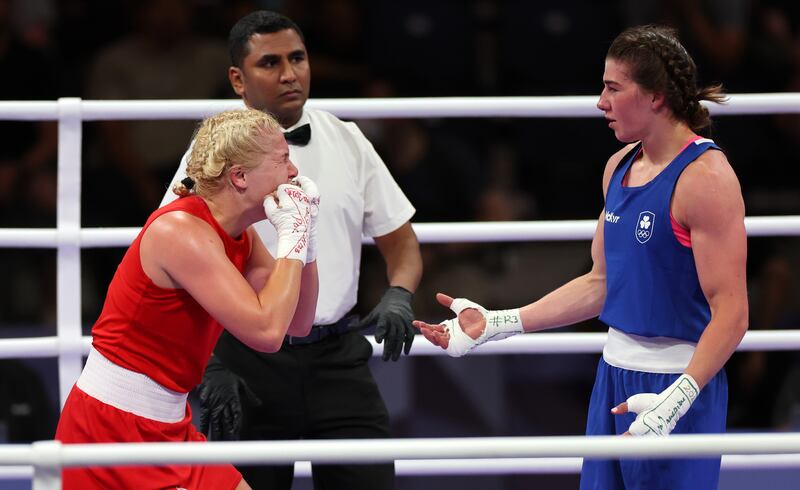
x=297, y=194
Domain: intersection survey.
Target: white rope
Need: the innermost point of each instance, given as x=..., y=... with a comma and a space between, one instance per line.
x=503, y=466
x=16, y=454
x=383, y=450
x=554, y=466
x=548, y=106
x=493, y=231
x=16, y=472
x=28, y=110
x=584, y=343
x=27, y=348
x=535, y=343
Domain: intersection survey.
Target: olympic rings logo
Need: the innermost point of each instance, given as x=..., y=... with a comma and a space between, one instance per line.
x=645, y=226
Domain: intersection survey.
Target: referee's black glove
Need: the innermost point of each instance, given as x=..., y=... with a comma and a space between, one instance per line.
x=221, y=402
x=392, y=318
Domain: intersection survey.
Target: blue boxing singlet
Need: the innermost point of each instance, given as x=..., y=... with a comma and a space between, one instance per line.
x=652, y=287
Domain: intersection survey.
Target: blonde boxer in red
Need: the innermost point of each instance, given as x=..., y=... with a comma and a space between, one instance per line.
x=196, y=267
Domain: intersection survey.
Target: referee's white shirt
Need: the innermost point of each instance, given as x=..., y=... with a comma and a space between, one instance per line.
x=357, y=195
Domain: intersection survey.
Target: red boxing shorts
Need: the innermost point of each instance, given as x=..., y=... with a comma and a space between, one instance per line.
x=85, y=419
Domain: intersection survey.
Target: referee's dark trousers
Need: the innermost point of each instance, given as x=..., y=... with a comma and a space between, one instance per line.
x=315, y=387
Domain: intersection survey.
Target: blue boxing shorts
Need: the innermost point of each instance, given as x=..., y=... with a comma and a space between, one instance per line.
x=707, y=415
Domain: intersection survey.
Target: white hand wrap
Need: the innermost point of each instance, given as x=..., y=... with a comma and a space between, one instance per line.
x=658, y=413
x=499, y=325
x=312, y=191
x=290, y=216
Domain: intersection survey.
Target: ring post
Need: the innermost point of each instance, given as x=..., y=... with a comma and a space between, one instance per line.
x=46, y=465
x=68, y=225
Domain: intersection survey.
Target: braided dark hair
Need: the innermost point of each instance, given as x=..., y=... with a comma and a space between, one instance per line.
x=659, y=63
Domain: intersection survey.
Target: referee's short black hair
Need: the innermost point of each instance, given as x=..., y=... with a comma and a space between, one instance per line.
x=258, y=22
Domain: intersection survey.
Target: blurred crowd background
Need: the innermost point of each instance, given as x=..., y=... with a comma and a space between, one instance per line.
x=479, y=169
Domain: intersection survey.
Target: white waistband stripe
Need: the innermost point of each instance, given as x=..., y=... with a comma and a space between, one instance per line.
x=647, y=354
x=130, y=391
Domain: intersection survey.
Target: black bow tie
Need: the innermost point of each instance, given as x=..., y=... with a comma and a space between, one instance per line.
x=299, y=136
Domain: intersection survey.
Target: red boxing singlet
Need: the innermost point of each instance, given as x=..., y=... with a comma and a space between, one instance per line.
x=161, y=333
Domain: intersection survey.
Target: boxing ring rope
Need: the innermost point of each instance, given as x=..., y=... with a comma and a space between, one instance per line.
x=48, y=457
x=556, y=106
x=68, y=238
x=503, y=466
x=538, y=343
x=509, y=454
x=495, y=231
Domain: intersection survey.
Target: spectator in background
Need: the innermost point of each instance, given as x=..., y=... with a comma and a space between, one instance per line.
x=27, y=199
x=780, y=49
x=27, y=172
x=161, y=59
x=764, y=389
x=715, y=32
x=28, y=150
x=578, y=31
x=26, y=414
x=762, y=394
x=424, y=157
x=555, y=31
x=335, y=35
x=35, y=19
x=409, y=41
